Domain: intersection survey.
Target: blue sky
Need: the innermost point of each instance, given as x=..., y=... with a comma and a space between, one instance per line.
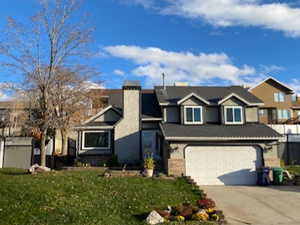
x=198, y=41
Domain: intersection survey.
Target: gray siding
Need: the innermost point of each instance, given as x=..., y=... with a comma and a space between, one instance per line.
x=212, y=115
x=172, y=114
x=192, y=101
x=251, y=114
x=231, y=102
x=109, y=116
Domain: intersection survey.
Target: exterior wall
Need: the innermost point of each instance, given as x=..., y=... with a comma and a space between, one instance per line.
x=192, y=102
x=231, y=102
x=212, y=115
x=176, y=160
x=265, y=92
x=172, y=114
x=127, y=130
x=251, y=114
x=150, y=125
x=109, y=116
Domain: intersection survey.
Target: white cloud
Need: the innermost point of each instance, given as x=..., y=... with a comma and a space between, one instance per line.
x=223, y=13
x=199, y=68
x=4, y=97
x=119, y=72
x=295, y=84
x=93, y=85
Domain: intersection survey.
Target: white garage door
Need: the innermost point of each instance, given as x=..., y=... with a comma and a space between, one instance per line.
x=223, y=165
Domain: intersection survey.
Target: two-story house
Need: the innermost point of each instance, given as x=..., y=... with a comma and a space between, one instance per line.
x=210, y=133
x=281, y=105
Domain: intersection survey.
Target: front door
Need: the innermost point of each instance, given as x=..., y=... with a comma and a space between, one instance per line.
x=151, y=143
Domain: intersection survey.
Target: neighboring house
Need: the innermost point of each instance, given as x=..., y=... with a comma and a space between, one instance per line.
x=210, y=133
x=281, y=105
x=11, y=116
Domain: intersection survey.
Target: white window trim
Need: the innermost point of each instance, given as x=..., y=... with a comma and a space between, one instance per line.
x=95, y=148
x=234, y=107
x=279, y=95
x=193, y=107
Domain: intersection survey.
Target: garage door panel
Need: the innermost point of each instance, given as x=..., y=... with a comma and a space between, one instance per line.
x=219, y=165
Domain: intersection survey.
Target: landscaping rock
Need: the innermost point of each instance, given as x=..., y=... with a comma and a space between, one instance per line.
x=154, y=218
x=34, y=169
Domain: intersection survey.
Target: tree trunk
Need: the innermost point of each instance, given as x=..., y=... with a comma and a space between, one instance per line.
x=43, y=148
x=64, y=139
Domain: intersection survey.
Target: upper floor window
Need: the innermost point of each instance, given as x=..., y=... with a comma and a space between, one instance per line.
x=193, y=115
x=294, y=98
x=234, y=115
x=279, y=97
x=283, y=114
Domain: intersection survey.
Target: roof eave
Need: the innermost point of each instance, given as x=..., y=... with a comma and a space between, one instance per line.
x=220, y=138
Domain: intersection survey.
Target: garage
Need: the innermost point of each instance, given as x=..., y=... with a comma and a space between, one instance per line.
x=223, y=165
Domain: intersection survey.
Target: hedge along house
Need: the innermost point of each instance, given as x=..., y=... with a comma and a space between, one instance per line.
x=209, y=133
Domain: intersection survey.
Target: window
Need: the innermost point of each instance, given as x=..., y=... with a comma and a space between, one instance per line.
x=283, y=114
x=279, y=97
x=294, y=98
x=233, y=114
x=193, y=115
x=96, y=140
x=263, y=112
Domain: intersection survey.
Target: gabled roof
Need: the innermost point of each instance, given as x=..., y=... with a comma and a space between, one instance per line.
x=180, y=132
x=193, y=95
x=170, y=95
x=150, y=106
x=101, y=113
x=276, y=81
x=239, y=98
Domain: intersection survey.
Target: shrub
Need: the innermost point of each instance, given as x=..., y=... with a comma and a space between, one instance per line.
x=206, y=203
x=113, y=161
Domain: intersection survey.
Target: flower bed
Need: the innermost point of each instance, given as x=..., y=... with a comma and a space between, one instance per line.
x=202, y=210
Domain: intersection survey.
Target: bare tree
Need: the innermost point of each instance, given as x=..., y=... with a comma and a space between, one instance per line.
x=72, y=98
x=51, y=40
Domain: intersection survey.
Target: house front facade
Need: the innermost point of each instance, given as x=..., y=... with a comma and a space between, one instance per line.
x=212, y=134
x=281, y=105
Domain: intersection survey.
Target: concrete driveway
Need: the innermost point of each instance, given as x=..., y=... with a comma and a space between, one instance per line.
x=273, y=205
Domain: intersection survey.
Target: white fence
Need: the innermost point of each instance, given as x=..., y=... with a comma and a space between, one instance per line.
x=1, y=153
x=291, y=132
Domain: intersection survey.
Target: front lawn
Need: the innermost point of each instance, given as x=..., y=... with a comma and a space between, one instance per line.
x=85, y=198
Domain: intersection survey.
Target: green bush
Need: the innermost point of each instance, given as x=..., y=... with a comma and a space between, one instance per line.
x=113, y=161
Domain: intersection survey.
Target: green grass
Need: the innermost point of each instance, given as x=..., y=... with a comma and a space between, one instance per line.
x=294, y=169
x=85, y=198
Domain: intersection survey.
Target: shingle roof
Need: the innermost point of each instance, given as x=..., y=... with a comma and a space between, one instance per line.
x=214, y=131
x=150, y=106
x=172, y=94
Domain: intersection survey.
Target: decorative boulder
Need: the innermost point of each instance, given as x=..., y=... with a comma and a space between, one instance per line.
x=34, y=169
x=154, y=218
